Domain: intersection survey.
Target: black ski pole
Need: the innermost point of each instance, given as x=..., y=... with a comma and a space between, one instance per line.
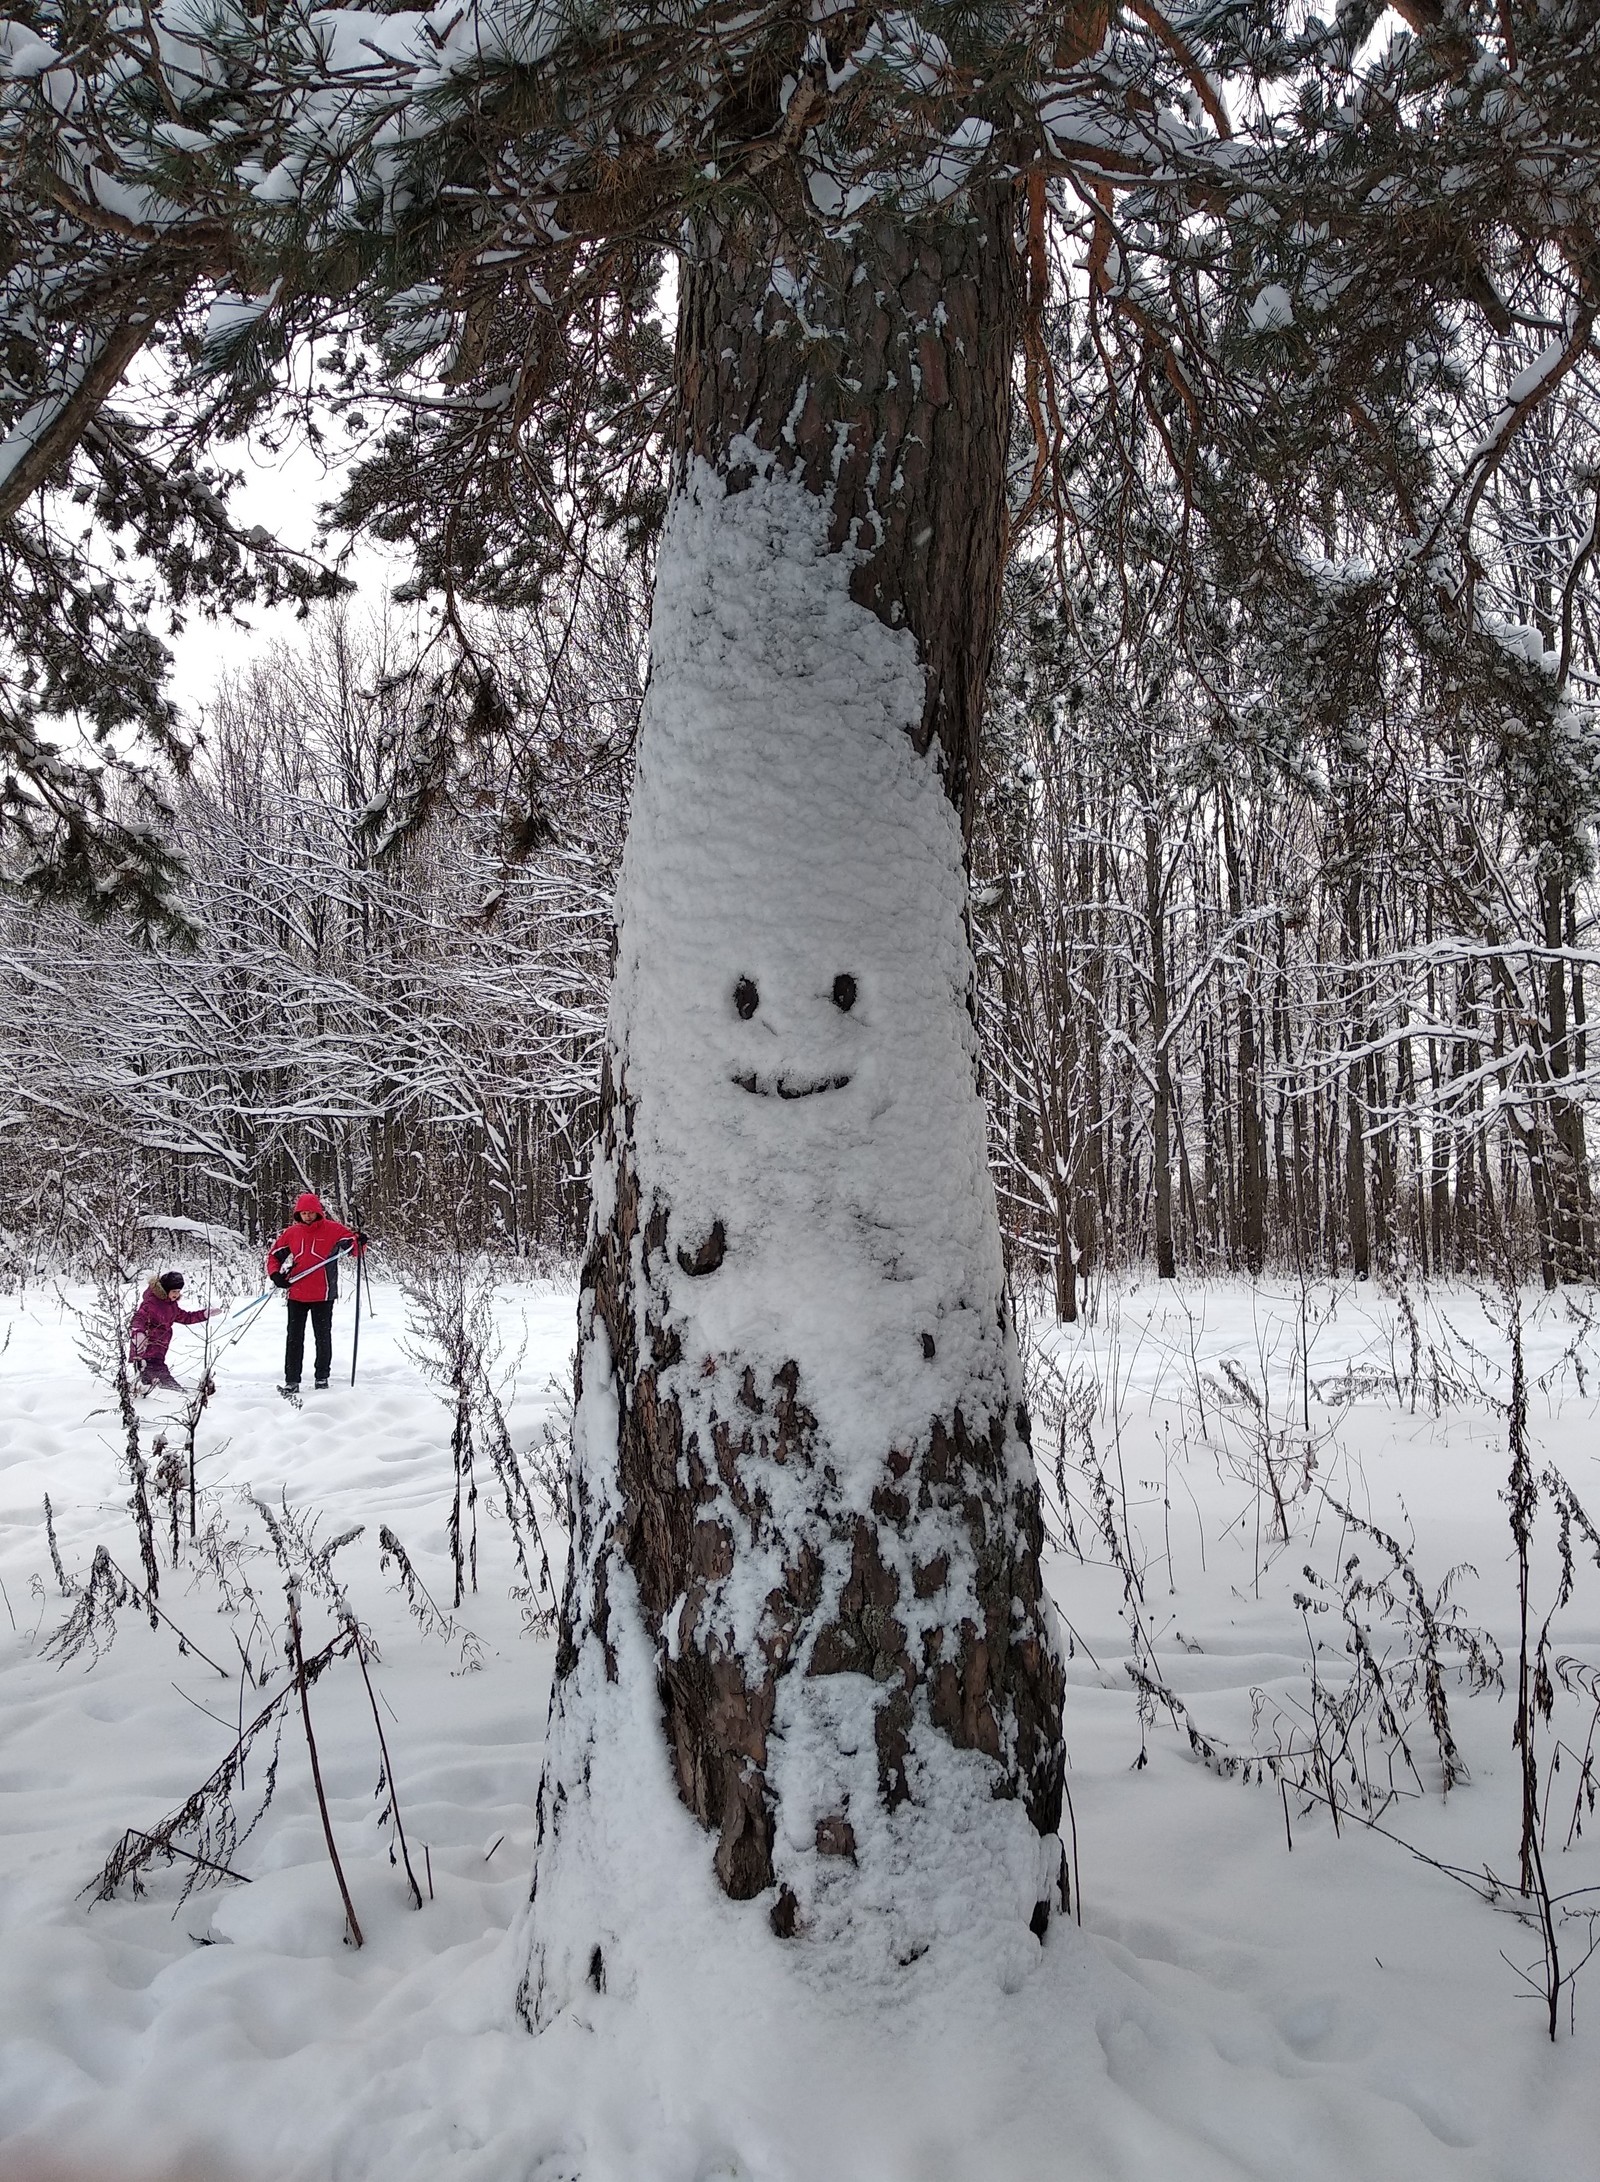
x=355, y=1344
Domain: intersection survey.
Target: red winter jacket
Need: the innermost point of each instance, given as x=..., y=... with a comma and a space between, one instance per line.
x=309, y=1250
x=150, y=1335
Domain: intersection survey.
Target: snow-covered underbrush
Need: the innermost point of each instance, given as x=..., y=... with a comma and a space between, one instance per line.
x=1309, y=1588
x=1352, y=1540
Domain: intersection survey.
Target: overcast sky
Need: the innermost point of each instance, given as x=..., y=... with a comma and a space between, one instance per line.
x=282, y=493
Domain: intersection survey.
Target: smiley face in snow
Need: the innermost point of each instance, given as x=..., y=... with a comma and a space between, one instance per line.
x=787, y=1083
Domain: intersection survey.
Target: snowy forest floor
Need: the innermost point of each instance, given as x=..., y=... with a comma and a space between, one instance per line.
x=1340, y=2010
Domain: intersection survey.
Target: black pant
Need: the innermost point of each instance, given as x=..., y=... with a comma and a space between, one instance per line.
x=294, y=1348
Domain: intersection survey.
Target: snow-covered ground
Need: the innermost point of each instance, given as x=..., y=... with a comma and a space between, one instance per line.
x=1230, y=2007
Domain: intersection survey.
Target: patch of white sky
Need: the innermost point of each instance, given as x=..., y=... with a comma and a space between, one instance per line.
x=284, y=493
x=286, y=490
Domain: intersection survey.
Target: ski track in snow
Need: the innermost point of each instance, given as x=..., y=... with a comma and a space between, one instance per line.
x=1229, y=2009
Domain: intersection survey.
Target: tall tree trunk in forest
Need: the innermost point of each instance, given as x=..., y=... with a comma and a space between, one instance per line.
x=1161, y=1116
x=1062, y=1151
x=1210, y=1132
x=1355, y=1107
x=1092, y=1213
x=1355, y=1114
x=1578, y=1139
x=1563, y=1135
x=804, y=1645
x=1281, y=1042
x=1383, y=1164
x=1252, y=1144
x=1252, y=1148
x=1440, y=1129
x=1472, y=1197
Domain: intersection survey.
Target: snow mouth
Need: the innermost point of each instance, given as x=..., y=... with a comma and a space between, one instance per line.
x=788, y=1087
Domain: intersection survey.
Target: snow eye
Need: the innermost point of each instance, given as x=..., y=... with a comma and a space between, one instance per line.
x=746, y=999
x=844, y=992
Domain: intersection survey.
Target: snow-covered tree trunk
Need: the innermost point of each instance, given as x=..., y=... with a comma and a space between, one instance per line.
x=805, y=1646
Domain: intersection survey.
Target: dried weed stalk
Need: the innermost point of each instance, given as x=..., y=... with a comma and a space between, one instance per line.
x=455, y=1343
x=430, y=1616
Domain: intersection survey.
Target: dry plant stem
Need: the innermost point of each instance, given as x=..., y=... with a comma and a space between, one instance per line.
x=1585, y=1782
x=202, y=1863
x=55, y=1550
x=448, y=1304
x=1547, y=1930
x=194, y=1410
x=186, y=1643
x=139, y=1499
x=1077, y=1879
x=351, y=1921
x=430, y=1616
x=158, y=1616
x=388, y=1768
x=1578, y=1677
x=461, y=1463
x=1521, y=1496
x=455, y=1344
x=169, y=1487
x=214, y=1792
x=522, y=1515
x=1482, y=1883
x=1432, y=1624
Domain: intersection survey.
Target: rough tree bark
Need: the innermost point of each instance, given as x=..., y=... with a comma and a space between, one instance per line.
x=805, y=1593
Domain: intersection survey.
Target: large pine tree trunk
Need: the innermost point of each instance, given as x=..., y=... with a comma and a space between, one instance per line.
x=804, y=1647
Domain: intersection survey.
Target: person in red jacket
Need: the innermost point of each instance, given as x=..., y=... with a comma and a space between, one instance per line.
x=305, y=1260
x=150, y=1335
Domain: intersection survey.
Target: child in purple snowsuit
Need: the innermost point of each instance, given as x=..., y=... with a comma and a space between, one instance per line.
x=150, y=1335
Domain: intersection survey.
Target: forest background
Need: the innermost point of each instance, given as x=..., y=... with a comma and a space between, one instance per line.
x=1282, y=874
x=1262, y=980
